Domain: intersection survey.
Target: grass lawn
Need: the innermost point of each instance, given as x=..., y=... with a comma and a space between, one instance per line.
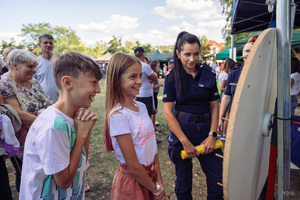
x=104, y=165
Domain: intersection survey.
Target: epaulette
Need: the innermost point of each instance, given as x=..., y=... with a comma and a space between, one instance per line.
x=208, y=68
x=207, y=77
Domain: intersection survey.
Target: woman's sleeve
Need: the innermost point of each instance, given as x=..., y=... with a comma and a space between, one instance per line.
x=42, y=94
x=169, y=94
x=228, y=86
x=214, y=93
x=6, y=91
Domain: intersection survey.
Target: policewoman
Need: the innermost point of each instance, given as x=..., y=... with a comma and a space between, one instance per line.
x=191, y=109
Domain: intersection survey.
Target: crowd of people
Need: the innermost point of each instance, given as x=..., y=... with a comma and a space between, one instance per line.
x=45, y=106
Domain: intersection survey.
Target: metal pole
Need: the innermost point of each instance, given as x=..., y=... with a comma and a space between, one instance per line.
x=232, y=47
x=283, y=24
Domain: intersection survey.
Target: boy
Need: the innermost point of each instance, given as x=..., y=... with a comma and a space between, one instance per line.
x=56, y=147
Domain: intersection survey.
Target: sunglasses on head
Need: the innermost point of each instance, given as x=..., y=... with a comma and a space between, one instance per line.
x=46, y=35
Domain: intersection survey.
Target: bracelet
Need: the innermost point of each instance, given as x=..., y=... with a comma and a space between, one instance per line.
x=157, y=186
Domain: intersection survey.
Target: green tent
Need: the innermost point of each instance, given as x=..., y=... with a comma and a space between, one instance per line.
x=224, y=54
x=158, y=56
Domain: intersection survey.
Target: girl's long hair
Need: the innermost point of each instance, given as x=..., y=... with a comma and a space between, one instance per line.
x=228, y=65
x=118, y=63
x=177, y=75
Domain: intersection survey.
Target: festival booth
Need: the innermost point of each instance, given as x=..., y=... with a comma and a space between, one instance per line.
x=260, y=138
x=158, y=56
x=104, y=59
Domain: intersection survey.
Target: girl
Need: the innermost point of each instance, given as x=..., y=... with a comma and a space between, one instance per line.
x=130, y=133
x=228, y=65
x=195, y=117
x=156, y=85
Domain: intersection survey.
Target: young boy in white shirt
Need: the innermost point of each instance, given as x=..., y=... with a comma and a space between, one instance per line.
x=56, y=147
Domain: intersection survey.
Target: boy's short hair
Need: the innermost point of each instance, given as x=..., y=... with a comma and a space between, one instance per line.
x=20, y=56
x=72, y=64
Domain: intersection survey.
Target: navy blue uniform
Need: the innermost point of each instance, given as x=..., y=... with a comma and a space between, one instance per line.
x=233, y=77
x=192, y=112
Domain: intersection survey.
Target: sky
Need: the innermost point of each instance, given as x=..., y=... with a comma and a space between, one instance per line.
x=155, y=22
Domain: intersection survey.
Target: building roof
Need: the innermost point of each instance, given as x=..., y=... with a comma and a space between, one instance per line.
x=212, y=42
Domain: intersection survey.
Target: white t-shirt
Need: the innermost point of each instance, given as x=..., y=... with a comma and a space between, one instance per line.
x=146, y=89
x=222, y=76
x=47, y=151
x=140, y=126
x=44, y=75
x=295, y=89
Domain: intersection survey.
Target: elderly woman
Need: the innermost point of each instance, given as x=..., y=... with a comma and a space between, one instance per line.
x=24, y=94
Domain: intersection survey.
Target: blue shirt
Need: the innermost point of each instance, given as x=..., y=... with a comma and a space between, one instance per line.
x=200, y=91
x=157, y=89
x=233, y=77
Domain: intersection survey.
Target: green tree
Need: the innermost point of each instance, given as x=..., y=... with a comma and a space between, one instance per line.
x=12, y=43
x=128, y=47
x=227, y=11
x=114, y=45
x=148, y=48
x=65, y=39
x=203, y=40
x=226, y=30
x=97, y=50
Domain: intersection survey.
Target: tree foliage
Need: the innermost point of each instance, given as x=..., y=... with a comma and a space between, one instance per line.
x=227, y=6
x=12, y=43
x=65, y=39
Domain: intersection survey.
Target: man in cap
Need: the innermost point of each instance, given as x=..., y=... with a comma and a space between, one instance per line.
x=149, y=76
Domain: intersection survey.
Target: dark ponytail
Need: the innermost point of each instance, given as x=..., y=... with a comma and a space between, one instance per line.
x=177, y=75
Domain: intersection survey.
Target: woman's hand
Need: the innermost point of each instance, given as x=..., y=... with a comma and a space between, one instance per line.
x=190, y=149
x=208, y=145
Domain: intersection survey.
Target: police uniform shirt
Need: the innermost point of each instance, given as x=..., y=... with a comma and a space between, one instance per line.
x=196, y=97
x=233, y=77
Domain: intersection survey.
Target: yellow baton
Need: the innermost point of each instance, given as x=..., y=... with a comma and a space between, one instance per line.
x=199, y=148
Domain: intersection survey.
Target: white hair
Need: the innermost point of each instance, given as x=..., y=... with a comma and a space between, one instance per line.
x=20, y=56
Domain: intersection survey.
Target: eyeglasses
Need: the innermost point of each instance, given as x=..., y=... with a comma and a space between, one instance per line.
x=46, y=35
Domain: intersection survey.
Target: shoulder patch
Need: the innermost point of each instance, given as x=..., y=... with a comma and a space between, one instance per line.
x=207, y=68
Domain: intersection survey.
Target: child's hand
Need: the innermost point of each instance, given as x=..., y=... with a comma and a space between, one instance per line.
x=85, y=120
x=161, y=194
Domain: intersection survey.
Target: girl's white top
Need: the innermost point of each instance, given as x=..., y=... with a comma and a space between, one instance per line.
x=139, y=126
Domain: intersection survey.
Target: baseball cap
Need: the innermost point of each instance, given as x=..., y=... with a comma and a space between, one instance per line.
x=139, y=50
